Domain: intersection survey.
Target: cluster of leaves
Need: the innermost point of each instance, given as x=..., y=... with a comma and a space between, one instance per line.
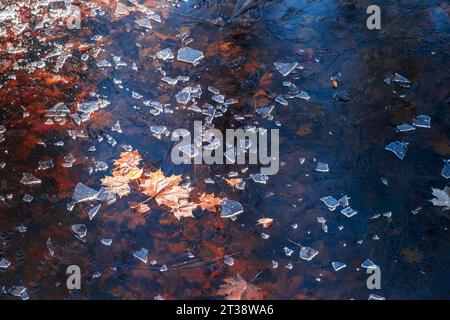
x=166, y=191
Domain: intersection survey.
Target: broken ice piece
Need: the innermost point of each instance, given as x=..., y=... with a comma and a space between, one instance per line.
x=338, y=265
x=163, y=268
x=398, y=148
x=422, y=121
x=303, y=95
x=230, y=208
x=228, y=260
x=376, y=297
x=141, y=254
x=322, y=167
x=145, y=23
x=342, y=96
x=405, y=127
x=80, y=230
x=219, y=98
x=28, y=178
x=330, y=202
x=446, y=170
x=189, y=55
x=106, y=242
x=165, y=54
x=50, y=247
x=84, y=193
x=348, y=212
x=285, y=67
x=288, y=251
x=27, y=197
x=93, y=211
x=401, y=79
x=281, y=100
x=158, y=130
x=4, y=263
x=265, y=111
x=260, y=178
x=368, y=264
x=307, y=253
x=116, y=127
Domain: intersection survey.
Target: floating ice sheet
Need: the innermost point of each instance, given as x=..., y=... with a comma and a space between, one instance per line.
x=285, y=67
x=141, y=254
x=4, y=263
x=405, y=127
x=80, y=230
x=307, y=253
x=330, y=202
x=84, y=193
x=422, y=121
x=165, y=54
x=145, y=23
x=93, y=211
x=29, y=179
x=446, y=170
x=398, y=148
x=189, y=55
x=348, y=212
x=322, y=167
x=228, y=260
x=368, y=264
x=338, y=265
x=260, y=178
x=230, y=208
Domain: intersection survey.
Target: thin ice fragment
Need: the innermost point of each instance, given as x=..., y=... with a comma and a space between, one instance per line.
x=307, y=253
x=405, y=127
x=338, y=265
x=368, y=264
x=93, y=211
x=348, y=212
x=285, y=67
x=228, y=260
x=4, y=263
x=141, y=254
x=29, y=179
x=165, y=54
x=322, y=167
x=189, y=55
x=260, y=178
x=398, y=148
x=230, y=208
x=84, y=193
x=422, y=121
x=80, y=230
x=446, y=170
x=330, y=202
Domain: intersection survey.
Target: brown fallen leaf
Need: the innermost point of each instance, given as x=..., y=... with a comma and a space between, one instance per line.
x=117, y=184
x=238, y=289
x=335, y=84
x=171, y=197
x=127, y=161
x=143, y=208
x=156, y=181
x=233, y=181
x=209, y=202
x=266, y=222
x=184, y=209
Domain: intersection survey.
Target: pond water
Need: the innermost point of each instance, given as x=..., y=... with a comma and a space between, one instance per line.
x=344, y=103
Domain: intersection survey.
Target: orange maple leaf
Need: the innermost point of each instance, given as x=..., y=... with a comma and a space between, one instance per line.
x=233, y=181
x=117, y=184
x=128, y=160
x=209, y=202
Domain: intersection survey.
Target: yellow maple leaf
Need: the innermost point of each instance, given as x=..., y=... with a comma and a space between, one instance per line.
x=127, y=161
x=184, y=209
x=156, y=181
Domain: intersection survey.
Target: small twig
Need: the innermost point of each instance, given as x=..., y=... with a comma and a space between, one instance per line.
x=298, y=244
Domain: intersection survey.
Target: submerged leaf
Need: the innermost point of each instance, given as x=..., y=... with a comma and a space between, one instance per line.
x=117, y=184
x=238, y=289
x=442, y=198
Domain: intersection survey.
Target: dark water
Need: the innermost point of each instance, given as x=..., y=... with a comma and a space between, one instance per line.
x=329, y=39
